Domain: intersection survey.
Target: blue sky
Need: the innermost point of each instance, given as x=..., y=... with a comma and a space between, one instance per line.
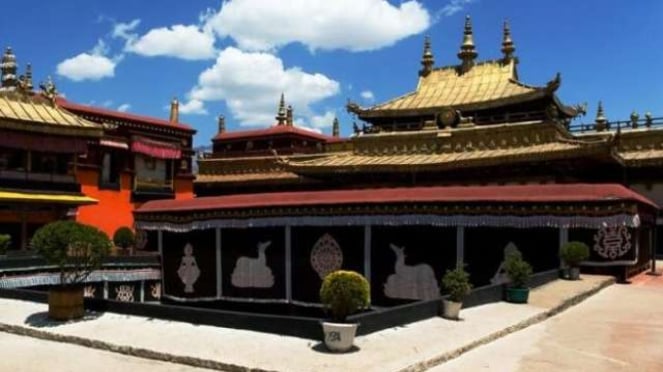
x=235, y=57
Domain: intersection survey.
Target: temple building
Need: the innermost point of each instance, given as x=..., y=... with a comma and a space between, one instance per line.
x=62, y=160
x=250, y=160
x=469, y=166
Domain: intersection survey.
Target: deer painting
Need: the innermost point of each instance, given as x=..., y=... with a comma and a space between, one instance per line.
x=414, y=282
x=252, y=272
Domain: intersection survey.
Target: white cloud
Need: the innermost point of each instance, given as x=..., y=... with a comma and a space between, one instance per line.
x=107, y=103
x=124, y=107
x=453, y=7
x=367, y=95
x=93, y=65
x=355, y=25
x=322, y=121
x=251, y=83
x=125, y=30
x=193, y=107
x=179, y=41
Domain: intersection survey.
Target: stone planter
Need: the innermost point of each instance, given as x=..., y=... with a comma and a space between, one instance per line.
x=65, y=303
x=451, y=309
x=339, y=337
x=574, y=273
x=517, y=295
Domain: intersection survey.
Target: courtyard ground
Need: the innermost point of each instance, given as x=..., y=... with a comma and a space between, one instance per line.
x=619, y=329
x=413, y=347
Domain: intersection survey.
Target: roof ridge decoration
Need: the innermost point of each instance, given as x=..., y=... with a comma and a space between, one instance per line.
x=222, y=124
x=8, y=66
x=467, y=52
x=427, y=59
x=174, y=111
x=508, y=48
x=601, y=120
x=281, y=115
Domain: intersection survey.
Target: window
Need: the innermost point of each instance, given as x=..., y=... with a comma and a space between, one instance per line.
x=153, y=173
x=109, y=176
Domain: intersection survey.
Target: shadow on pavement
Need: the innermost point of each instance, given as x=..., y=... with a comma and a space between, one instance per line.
x=321, y=348
x=41, y=319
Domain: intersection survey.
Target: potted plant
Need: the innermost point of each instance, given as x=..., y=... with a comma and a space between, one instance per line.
x=5, y=242
x=76, y=250
x=343, y=293
x=518, y=271
x=455, y=283
x=124, y=238
x=573, y=253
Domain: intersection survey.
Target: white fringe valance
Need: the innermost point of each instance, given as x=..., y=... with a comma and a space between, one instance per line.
x=630, y=220
x=36, y=279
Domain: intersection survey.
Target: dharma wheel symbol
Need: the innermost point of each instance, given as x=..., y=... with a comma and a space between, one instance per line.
x=326, y=256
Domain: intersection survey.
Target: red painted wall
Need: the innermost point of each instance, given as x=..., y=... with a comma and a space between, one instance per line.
x=114, y=209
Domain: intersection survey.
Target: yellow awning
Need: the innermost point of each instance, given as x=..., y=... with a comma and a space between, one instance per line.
x=26, y=197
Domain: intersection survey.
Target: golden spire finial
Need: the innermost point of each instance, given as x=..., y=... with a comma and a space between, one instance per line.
x=427, y=60
x=336, y=128
x=222, y=124
x=467, y=52
x=281, y=115
x=49, y=90
x=174, y=110
x=8, y=67
x=508, y=48
x=28, y=77
x=601, y=120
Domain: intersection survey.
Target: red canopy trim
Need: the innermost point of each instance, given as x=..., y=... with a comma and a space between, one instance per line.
x=156, y=149
x=114, y=143
x=41, y=143
x=557, y=193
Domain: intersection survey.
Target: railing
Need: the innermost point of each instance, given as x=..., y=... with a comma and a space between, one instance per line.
x=647, y=122
x=39, y=177
x=152, y=184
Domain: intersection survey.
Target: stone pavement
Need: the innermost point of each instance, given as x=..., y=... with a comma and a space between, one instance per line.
x=619, y=329
x=413, y=347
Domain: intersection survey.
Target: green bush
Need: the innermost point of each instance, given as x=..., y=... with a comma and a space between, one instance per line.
x=518, y=270
x=456, y=283
x=5, y=242
x=124, y=237
x=344, y=293
x=573, y=253
x=76, y=249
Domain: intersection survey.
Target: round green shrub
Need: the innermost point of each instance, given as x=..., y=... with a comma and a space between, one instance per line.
x=5, y=242
x=456, y=283
x=518, y=271
x=573, y=253
x=76, y=249
x=124, y=237
x=344, y=293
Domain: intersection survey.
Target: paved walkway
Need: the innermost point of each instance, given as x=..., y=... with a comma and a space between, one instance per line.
x=619, y=329
x=412, y=347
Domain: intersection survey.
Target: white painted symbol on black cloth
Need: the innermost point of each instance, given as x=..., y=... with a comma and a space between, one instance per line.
x=252, y=272
x=416, y=282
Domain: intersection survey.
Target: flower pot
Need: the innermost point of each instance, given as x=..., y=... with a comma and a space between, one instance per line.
x=339, y=337
x=574, y=273
x=65, y=303
x=451, y=309
x=517, y=295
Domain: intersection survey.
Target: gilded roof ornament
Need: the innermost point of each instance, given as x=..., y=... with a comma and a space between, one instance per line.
x=289, y=116
x=634, y=119
x=281, y=114
x=8, y=66
x=648, y=119
x=467, y=52
x=336, y=130
x=427, y=59
x=508, y=48
x=48, y=89
x=601, y=120
x=174, y=110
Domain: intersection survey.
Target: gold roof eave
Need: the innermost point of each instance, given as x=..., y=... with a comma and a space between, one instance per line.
x=25, y=112
x=26, y=197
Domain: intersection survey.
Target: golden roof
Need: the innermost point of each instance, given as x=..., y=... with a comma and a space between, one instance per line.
x=37, y=114
x=485, y=85
x=639, y=147
x=439, y=150
x=27, y=197
x=260, y=177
